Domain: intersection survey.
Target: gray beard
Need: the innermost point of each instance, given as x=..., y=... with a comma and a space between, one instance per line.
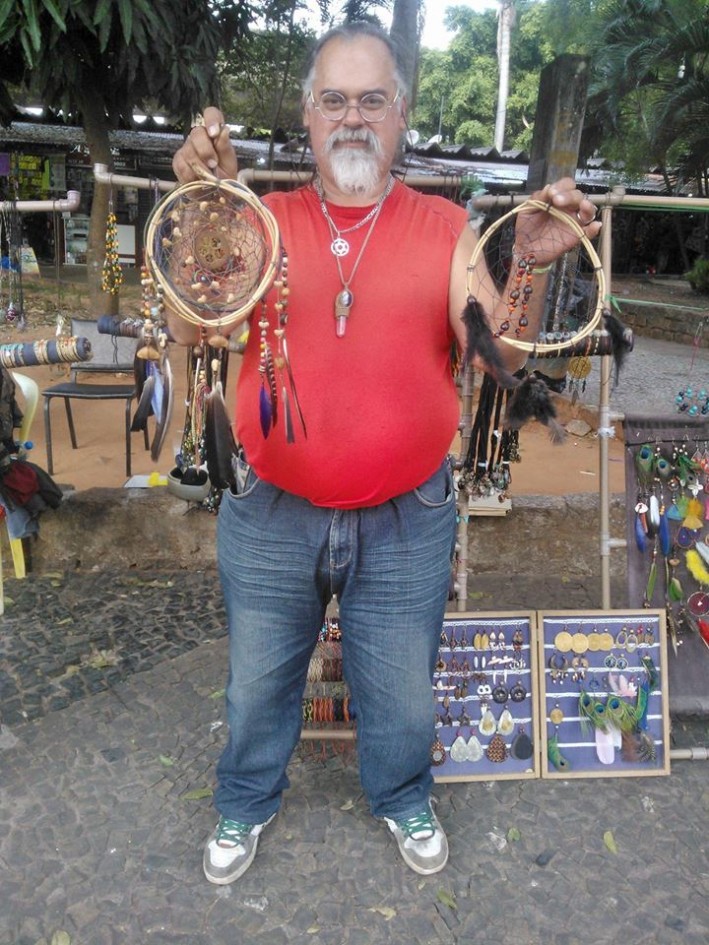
x=354, y=171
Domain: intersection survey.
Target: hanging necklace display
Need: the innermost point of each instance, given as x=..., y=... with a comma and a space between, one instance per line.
x=111, y=272
x=344, y=298
x=14, y=311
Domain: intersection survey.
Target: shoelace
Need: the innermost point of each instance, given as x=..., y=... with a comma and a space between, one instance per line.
x=233, y=831
x=418, y=827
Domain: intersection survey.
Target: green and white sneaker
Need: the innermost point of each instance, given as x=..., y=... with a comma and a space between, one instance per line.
x=230, y=850
x=422, y=842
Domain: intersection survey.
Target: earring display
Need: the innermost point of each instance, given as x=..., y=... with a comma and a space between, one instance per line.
x=667, y=533
x=484, y=702
x=605, y=711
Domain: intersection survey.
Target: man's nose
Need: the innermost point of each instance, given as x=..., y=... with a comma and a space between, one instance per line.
x=352, y=116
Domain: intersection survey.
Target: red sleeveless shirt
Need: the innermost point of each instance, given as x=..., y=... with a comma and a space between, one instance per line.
x=380, y=404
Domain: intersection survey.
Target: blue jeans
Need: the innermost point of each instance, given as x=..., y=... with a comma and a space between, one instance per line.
x=280, y=561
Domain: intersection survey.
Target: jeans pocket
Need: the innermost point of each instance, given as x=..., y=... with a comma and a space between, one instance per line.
x=438, y=490
x=245, y=479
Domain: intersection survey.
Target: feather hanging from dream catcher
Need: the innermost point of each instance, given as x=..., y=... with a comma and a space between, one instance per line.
x=219, y=442
x=152, y=370
x=549, y=307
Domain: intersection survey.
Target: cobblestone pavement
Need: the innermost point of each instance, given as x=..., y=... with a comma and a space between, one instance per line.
x=112, y=720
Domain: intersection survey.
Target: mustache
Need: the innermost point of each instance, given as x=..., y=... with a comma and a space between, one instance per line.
x=346, y=135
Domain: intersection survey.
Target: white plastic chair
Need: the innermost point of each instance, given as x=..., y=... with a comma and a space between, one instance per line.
x=30, y=392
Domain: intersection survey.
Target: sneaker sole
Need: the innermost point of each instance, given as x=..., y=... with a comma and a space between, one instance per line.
x=416, y=867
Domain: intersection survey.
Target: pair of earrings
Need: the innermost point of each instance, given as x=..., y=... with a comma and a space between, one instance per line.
x=500, y=693
x=489, y=725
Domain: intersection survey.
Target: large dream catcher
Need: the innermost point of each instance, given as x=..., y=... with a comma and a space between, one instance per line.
x=555, y=310
x=213, y=251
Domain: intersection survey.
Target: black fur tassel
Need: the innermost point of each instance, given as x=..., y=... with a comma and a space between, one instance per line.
x=480, y=344
x=530, y=400
x=621, y=341
x=220, y=445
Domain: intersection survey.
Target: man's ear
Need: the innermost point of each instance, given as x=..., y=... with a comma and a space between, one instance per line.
x=404, y=115
x=304, y=111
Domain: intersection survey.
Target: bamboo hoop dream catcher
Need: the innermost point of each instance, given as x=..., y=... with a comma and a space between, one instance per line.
x=574, y=284
x=213, y=251
x=573, y=318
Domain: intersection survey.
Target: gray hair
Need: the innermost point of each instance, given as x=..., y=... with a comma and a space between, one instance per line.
x=351, y=31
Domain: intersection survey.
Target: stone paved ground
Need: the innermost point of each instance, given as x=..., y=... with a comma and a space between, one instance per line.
x=104, y=806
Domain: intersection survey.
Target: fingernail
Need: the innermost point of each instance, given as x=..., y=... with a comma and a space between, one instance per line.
x=212, y=163
x=213, y=131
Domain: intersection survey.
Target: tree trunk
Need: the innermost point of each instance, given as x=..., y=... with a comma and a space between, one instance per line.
x=96, y=128
x=406, y=32
x=505, y=23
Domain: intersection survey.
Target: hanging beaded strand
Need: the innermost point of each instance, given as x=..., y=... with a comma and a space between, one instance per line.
x=153, y=307
x=519, y=296
x=276, y=373
x=111, y=274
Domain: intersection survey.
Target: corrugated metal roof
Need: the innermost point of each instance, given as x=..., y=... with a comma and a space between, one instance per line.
x=496, y=171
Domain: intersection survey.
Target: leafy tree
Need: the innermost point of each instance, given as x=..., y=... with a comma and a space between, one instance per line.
x=458, y=88
x=97, y=61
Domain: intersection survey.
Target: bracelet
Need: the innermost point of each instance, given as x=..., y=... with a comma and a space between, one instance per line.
x=541, y=269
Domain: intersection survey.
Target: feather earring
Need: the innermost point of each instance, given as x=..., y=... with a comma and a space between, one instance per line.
x=145, y=406
x=696, y=568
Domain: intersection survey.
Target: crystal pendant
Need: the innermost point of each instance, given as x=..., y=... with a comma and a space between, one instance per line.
x=343, y=304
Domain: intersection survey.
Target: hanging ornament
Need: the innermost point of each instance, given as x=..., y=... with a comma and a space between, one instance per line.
x=111, y=274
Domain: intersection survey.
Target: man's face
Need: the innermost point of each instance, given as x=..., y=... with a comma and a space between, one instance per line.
x=353, y=154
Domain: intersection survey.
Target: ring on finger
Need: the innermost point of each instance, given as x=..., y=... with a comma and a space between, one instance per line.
x=585, y=223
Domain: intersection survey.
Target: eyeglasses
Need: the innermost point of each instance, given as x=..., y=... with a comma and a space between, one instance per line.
x=372, y=107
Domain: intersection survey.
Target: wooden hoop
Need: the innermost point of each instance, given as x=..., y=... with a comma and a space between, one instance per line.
x=206, y=191
x=560, y=345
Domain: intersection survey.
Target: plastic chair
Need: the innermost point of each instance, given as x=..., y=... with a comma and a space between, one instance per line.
x=110, y=355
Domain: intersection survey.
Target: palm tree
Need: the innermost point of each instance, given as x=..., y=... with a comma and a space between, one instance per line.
x=650, y=93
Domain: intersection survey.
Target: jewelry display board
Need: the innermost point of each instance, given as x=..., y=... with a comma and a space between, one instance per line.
x=667, y=530
x=485, y=699
x=604, y=704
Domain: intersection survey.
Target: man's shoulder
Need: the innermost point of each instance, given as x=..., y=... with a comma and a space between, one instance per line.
x=280, y=198
x=435, y=204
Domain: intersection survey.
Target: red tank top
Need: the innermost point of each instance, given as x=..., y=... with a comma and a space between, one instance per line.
x=380, y=404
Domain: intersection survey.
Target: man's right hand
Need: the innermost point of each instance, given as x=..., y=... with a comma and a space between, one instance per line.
x=207, y=151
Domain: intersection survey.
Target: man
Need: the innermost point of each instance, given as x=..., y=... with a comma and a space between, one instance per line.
x=363, y=507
